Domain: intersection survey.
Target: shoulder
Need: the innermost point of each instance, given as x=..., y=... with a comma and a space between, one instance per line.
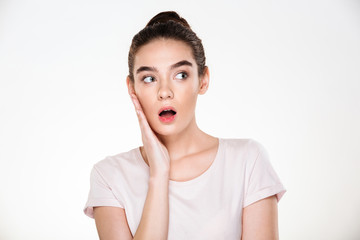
x=244, y=152
x=245, y=145
x=111, y=164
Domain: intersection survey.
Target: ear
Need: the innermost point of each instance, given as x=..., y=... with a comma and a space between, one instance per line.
x=130, y=86
x=204, y=81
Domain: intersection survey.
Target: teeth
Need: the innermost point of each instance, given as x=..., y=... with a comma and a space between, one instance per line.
x=168, y=110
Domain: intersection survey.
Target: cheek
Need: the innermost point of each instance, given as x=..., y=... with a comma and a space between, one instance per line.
x=145, y=101
x=189, y=99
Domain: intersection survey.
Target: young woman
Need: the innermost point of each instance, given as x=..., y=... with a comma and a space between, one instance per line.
x=182, y=183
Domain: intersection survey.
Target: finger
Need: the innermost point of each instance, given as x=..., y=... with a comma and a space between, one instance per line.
x=136, y=102
x=144, y=125
x=137, y=105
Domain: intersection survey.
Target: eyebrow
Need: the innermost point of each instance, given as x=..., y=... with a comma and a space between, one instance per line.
x=154, y=69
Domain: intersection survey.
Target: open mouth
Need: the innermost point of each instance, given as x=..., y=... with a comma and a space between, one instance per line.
x=167, y=113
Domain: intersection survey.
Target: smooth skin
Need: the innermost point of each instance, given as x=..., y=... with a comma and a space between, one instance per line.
x=179, y=151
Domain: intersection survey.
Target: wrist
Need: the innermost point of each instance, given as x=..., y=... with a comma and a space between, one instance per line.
x=159, y=176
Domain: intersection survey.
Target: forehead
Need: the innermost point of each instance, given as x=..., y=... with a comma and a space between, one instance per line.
x=162, y=53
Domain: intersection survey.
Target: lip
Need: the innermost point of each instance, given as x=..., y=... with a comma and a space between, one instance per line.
x=167, y=119
x=166, y=108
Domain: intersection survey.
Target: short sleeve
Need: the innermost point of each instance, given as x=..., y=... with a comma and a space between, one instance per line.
x=100, y=194
x=262, y=180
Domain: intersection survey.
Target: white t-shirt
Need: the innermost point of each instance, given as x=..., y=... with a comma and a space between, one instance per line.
x=206, y=207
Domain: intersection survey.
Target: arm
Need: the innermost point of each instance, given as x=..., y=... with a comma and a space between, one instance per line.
x=155, y=217
x=154, y=223
x=111, y=222
x=260, y=220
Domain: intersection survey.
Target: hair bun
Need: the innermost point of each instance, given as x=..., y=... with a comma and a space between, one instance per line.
x=163, y=17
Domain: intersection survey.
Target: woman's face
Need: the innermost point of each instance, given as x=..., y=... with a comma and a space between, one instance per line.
x=167, y=84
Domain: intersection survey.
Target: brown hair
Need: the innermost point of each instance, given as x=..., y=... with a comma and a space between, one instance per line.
x=168, y=25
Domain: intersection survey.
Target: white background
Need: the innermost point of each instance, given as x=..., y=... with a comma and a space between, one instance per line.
x=286, y=73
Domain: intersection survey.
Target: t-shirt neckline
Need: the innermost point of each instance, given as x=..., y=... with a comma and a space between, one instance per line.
x=194, y=180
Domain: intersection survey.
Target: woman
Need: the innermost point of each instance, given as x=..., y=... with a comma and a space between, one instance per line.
x=182, y=183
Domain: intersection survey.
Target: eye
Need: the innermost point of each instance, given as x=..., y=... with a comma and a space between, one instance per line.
x=181, y=75
x=148, y=79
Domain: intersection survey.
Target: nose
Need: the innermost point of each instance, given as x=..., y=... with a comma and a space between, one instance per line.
x=165, y=92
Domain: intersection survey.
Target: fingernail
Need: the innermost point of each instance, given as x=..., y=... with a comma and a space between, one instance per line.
x=138, y=112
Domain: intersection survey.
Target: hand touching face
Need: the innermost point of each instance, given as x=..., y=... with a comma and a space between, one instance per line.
x=167, y=84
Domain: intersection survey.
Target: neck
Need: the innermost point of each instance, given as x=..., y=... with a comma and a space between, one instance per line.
x=184, y=143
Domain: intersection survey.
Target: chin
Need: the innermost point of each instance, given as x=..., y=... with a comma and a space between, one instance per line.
x=166, y=130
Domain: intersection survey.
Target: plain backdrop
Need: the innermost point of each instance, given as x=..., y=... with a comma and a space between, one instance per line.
x=286, y=73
